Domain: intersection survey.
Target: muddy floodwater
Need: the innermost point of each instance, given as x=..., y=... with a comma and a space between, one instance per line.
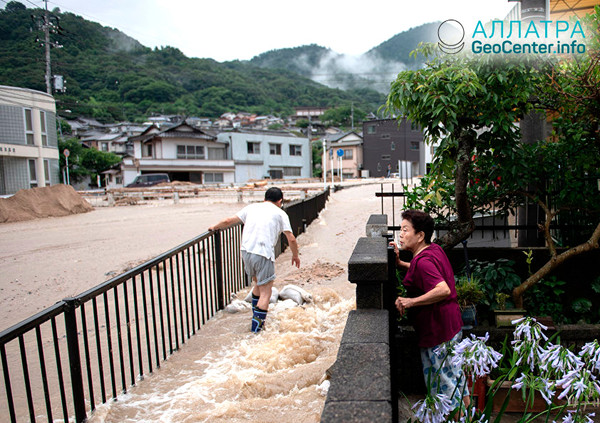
x=225, y=373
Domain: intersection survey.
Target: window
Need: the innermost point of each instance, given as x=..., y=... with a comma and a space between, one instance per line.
x=104, y=146
x=392, y=146
x=216, y=153
x=371, y=129
x=190, y=152
x=414, y=146
x=348, y=154
x=275, y=173
x=148, y=151
x=414, y=126
x=385, y=136
x=28, y=127
x=292, y=171
x=43, y=126
x=295, y=150
x=32, y=174
x=253, y=147
x=47, y=171
x=275, y=149
x=386, y=157
x=213, y=178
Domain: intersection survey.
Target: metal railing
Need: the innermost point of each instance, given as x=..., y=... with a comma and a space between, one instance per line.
x=112, y=335
x=83, y=351
x=567, y=229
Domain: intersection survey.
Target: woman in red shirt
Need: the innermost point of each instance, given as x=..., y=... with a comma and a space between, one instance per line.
x=431, y=299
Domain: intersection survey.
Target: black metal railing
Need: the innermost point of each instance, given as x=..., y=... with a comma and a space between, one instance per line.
x=568, y=228
x=111, y=336
x=83, y=351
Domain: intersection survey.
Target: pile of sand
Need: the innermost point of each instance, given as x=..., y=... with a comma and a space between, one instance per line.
x=55, y=200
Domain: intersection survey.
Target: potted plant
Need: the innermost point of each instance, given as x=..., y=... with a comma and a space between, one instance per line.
x=504, y=316
x=469, y=293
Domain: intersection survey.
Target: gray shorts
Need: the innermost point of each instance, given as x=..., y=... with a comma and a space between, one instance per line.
x=258, y=266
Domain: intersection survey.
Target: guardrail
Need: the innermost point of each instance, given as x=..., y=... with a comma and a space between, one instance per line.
x=83, y=351
x=114, y=334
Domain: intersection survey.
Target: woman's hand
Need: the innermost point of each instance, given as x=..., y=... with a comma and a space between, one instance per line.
x=399, y=263
x=403, y=304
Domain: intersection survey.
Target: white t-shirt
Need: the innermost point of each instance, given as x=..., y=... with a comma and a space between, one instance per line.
x=263, y=224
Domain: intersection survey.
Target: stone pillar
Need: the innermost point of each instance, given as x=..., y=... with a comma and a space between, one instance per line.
x=368, y=269
x=360, y=390
x=377, y=225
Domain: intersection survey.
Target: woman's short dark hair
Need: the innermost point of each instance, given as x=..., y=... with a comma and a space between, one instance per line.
x=421, y=221
x=273, y=195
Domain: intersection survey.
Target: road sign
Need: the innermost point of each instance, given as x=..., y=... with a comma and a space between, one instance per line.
x=66, y=152
x=340, y=152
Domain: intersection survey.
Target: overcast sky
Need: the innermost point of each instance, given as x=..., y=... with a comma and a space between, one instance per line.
x=236, y=29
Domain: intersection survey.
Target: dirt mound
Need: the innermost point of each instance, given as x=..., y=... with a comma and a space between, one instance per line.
x=55, y=200
x=319, y=271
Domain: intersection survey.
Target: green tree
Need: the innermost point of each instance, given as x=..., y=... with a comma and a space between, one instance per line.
x=317, y=159
x=344, y=116
x=95, y=162
x=470, y=107
x=76, y=171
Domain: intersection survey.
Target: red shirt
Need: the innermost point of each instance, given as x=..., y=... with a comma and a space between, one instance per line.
x=439, y=322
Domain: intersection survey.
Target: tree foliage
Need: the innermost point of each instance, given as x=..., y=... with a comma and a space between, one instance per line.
x=83, y=161
x=471, y=107
x=345, y=116
x=110, y=76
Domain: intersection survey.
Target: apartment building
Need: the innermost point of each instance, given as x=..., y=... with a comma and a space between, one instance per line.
x=28, y=140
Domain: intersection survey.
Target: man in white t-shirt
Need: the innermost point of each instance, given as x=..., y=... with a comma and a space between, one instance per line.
x=263, y=225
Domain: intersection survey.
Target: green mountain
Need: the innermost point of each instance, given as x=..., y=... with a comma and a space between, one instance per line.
x=373, y=70
x=398, y=47
x=111, y=76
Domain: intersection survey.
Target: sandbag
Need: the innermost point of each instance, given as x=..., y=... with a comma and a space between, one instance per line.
x=295, y=293
x=236, y=306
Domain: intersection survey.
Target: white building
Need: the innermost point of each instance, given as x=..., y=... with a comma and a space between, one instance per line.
x=28, y=140
x=268, y=154
x=185, y=152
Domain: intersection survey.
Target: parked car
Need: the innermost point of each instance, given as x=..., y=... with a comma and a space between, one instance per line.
x=148, y=180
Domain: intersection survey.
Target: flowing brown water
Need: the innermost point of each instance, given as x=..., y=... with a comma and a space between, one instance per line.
x=228, y=374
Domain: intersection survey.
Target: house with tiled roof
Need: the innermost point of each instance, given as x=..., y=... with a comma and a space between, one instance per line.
x=184, y=152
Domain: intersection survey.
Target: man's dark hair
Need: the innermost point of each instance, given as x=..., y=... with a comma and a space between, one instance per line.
x=421, y=222
x=273, y=195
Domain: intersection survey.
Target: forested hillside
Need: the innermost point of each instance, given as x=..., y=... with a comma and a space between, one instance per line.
x=375, y=69
x=113, y=77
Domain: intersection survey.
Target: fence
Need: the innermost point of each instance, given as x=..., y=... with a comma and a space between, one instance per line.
x=111, y=336
x=499, y=229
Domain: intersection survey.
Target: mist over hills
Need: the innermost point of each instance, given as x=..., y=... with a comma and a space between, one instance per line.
x=374, y=69
x=111, y=76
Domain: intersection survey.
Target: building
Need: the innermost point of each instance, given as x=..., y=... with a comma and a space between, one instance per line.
x=312, y=114
x=394, y=146
x=267, y=154
x=555, y=10
x=350, y=145
x=28, y=140
x=183, y=151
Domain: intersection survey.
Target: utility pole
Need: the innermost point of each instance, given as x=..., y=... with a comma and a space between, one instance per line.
x=46, y=28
